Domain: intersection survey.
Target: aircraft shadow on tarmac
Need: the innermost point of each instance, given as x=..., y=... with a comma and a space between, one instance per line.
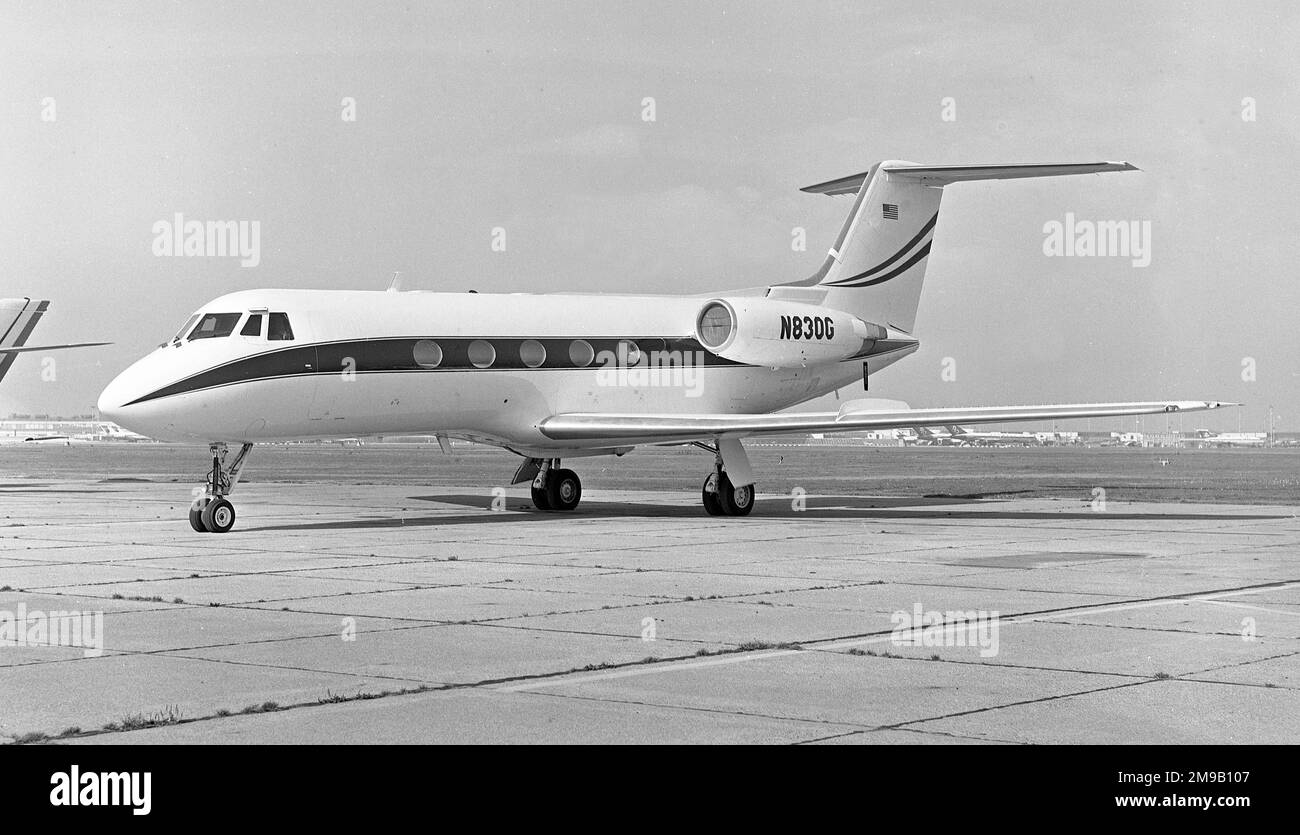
x=827, y=507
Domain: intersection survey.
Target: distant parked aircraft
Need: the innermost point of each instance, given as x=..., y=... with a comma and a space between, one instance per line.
x=1206, y=438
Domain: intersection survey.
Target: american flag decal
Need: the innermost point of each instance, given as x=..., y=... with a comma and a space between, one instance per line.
x=890, y=210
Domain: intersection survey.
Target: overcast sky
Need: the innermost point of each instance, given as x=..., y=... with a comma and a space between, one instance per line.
x=530, y=117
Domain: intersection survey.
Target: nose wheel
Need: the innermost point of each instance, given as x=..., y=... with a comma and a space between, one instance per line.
x=218, y=516
x=211, y=511
x=196, y=514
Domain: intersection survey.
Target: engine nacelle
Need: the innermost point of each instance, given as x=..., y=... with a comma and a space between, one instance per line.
x=781, y=334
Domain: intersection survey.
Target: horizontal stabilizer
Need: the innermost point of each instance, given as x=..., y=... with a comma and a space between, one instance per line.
x=844, y=185
x=30, y=348
x=942, y=175
x=634, y=428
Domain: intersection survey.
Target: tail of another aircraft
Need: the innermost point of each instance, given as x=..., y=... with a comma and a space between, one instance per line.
x=876, y=267
x=18, y=318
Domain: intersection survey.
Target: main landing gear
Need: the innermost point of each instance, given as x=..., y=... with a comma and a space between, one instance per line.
x=210, y=511
x=554, y=488
x=720, y=496
x=728, y=491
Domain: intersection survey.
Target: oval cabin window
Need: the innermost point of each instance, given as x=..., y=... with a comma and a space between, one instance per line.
x=428, y=354
x=581, y=353
x=532, y=353
x=482, y=354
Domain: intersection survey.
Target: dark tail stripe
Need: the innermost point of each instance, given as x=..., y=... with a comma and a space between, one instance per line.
x=925, y=230
x=911, y=262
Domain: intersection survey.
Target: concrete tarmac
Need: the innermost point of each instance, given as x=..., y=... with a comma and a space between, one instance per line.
x=376, y=614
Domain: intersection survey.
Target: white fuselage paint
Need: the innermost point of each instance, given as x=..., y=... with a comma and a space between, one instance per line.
x=493, y=405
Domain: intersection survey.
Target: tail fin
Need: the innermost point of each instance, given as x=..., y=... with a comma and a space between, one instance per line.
x=877, y=266
x=18, y=318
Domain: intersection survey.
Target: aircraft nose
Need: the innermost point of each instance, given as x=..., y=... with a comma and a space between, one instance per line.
x=112, y=400
x=115, y=400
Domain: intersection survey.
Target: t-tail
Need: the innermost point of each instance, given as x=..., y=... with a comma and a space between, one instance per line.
x=876, y=267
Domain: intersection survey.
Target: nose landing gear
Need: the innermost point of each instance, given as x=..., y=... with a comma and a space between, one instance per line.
x=211, y=512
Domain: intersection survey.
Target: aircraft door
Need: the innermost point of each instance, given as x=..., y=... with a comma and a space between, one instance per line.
x=332, y=373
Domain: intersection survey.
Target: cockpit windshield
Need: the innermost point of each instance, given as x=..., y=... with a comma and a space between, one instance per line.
x=185, y=328
x=214, y=325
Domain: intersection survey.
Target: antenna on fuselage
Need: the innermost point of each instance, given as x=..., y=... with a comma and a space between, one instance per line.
x=396, y=285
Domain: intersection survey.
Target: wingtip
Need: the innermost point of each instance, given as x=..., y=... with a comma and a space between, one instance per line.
x=1196, y=405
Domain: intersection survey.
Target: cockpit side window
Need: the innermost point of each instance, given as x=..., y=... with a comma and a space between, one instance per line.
x=253, y=327
x=214, y=325
x=185, y=328
x=278, y=328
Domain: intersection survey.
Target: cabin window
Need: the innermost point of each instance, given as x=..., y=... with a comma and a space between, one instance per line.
x=253, y=327
x=278, y=328
x=532, y=353
x=581, y=353
x=215, y=325
x=428, y=354
x=629, y=352
x=481, y=353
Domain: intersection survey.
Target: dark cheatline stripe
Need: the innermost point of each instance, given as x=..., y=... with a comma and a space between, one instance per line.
x=289, y=362
x=911, y=262
x=398, y=355
x=891, y=259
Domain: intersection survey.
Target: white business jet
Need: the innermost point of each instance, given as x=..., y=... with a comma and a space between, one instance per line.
x=551, y=377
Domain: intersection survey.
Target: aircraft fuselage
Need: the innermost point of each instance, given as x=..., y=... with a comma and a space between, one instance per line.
x=482, y=366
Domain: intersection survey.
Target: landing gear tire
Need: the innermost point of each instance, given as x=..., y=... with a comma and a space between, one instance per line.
x=736, y=501
x=563, y=489
x=196, y=515
x=712, y=504
x=218, y=516
x=211, y=512
x=540, y=501
x=727, y=500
